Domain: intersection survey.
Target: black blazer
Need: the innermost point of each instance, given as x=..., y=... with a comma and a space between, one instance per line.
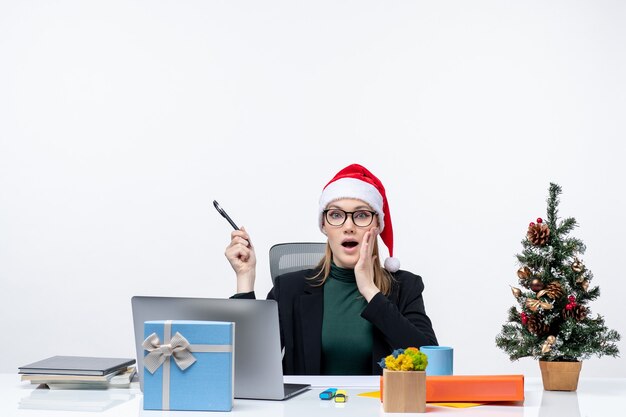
x=399, y=320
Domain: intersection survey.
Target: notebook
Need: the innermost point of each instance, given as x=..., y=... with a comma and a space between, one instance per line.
x=76, y=365
x=258, y=362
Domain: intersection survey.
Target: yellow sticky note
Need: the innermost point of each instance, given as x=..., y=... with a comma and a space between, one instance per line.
x=371, y=394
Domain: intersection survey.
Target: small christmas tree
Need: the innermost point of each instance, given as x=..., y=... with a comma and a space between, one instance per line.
x=554, y=320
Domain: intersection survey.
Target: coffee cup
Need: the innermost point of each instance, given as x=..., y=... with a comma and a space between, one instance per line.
x=440, y=359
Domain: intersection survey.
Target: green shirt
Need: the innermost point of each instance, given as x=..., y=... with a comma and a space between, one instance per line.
x=346, y=336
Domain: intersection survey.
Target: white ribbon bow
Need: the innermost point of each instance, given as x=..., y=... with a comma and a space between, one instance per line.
x=178, y=348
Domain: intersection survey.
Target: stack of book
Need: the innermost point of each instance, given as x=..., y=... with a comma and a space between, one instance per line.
x=80, y=372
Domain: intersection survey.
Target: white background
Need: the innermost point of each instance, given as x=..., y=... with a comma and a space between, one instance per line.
x=120, y=122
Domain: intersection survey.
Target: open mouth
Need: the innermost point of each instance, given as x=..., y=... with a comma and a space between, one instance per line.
x=349, y=244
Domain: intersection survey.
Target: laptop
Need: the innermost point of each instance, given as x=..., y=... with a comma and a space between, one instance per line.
x=258, y=362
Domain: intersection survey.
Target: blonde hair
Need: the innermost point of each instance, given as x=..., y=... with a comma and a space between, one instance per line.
x=382, y=277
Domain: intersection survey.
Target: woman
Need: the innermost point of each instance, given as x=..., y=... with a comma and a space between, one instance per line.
x=343, y=316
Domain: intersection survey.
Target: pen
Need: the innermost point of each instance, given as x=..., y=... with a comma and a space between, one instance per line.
x=226, y=216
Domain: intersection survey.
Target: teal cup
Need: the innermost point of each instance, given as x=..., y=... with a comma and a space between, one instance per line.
x=440, y=359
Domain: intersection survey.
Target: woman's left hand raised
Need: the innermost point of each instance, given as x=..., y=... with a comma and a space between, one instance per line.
x=364, y=268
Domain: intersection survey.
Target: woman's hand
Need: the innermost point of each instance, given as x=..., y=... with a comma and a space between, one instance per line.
x=240, y=253
x=364, y=268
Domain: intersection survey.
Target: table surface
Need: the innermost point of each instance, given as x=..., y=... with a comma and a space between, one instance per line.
x=595, y=397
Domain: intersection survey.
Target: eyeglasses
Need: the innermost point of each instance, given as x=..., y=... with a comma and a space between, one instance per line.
x=360, y=218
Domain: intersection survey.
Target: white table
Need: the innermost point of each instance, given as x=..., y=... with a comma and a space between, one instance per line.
x=595, y=397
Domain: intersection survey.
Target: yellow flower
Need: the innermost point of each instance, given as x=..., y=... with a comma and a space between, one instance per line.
x=406, y=362
x=401, y=363
x=390, y=363
x=410, y=360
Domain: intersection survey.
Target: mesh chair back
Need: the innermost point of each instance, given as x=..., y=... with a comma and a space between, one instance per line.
x=290, y=257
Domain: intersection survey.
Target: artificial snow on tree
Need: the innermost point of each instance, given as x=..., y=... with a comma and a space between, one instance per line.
x=552, y=320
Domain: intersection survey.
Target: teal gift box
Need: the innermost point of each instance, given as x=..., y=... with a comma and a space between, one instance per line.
x=188, y=365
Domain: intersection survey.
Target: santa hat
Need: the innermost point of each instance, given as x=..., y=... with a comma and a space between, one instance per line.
x=355, y=181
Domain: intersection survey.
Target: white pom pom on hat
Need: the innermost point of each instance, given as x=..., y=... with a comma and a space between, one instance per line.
x=355, y=181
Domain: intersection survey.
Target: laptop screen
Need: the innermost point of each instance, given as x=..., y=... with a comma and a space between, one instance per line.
x=258, y=364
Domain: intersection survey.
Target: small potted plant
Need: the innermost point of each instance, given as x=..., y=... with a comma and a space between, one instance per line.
x=404, y=381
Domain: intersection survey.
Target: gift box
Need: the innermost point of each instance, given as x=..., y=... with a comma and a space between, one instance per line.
x=188, y=365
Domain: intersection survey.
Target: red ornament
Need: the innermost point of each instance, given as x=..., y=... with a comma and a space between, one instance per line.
x=571, y=298
x=531, y=224
x=570, y=306
x=524, y=318
x=539, y=220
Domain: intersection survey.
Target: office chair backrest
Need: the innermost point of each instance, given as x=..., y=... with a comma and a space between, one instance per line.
x=290, y=257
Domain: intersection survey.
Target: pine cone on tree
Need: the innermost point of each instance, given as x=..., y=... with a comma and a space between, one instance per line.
x=553, y=290
x=538, y=234
x=536, y=325
x=577, y=313
x=580, y=313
